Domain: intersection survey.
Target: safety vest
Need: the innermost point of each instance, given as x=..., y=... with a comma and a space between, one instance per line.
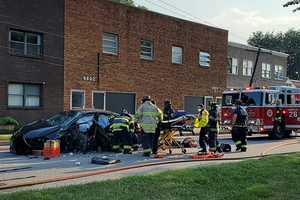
x=148, y=116
x=202, y=119
x=121, y=123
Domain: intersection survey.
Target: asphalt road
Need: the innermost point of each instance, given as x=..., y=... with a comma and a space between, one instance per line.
x=25, y=169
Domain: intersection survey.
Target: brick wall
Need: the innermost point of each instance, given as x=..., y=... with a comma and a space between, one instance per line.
x=45, y=17
x=85, y=21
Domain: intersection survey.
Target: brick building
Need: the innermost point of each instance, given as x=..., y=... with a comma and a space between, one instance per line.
x=95, y=54
x=31, y=57
x=271, y=68
x=141, y=53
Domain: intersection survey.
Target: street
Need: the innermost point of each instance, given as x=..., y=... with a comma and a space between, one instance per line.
x=20, y=170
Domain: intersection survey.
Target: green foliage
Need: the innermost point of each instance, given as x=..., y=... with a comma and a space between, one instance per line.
x=8, y=121
x=293, y=3
x=288, y=42
x=129, y=3
x=271, y=178
x=126, y=2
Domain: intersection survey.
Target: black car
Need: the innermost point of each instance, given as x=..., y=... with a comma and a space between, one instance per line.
x=76, y=130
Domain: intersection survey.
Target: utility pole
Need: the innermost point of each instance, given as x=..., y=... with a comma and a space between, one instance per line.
x=255, y=66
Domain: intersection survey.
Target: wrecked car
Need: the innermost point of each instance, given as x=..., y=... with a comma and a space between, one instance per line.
x=76, y=131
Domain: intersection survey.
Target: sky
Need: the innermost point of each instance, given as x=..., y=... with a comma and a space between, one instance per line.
x=240, y=17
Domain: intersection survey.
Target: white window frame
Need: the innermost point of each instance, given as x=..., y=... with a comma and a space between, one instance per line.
x=77, y=108
x=177, y=55
x=266, y=70
x=279, y=74
x=114, y=50
x=25, y=43
x=24, y=96
x=104, y=102
x=232, y=66
x=151, y=47
x=204, y=59
x=247, y=68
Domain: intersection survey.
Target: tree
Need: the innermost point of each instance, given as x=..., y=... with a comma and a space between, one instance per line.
x=126, y=2
x=293, y=3
x=288, y=42
x=129, y=3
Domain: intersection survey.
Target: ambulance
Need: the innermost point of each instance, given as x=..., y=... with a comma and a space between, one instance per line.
x=261, y=105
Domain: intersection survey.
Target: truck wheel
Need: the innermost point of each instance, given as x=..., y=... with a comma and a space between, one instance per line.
x=277, y=133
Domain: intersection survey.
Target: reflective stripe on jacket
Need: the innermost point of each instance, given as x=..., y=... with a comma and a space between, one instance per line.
x=120, y=123
x=148, y=116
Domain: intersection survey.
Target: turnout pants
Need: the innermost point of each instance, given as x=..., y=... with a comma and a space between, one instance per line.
x=203, y=140
x=239, y=136
x=147, y=142
x=212, y=140
x=121, y=140
x=156, y=140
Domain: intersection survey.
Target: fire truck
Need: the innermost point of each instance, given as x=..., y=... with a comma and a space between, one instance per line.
x=261, y=105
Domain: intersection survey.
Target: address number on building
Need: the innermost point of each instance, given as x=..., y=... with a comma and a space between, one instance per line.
x=89, y=78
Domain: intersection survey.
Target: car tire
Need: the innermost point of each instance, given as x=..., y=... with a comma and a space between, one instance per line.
x=288, y=133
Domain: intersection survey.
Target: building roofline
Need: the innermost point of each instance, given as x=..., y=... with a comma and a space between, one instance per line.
x=249, y=47
x=168, y=16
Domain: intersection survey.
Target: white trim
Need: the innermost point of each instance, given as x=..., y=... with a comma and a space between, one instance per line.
x=248, y=47
x=104, y=100
x=292, y=126
x=268, y=127
x=76, y=108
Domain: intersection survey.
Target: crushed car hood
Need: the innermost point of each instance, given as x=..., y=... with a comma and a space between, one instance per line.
x=42, y=132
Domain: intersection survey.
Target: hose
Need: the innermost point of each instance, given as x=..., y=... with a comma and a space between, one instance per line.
x=139, y=166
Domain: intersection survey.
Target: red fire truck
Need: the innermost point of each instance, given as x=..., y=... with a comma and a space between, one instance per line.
x=261, y=105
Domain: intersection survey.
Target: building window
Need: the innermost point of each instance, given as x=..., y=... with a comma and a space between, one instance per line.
x=279, y=73
x=24, y=95
x=77, y=99
x=25, y=43
x=204, y=59
x=146, y=50
x=110, y=43
x=233, y=66
x=266, y=71
x=99, y=100
x=247, y=68
x=176, y=55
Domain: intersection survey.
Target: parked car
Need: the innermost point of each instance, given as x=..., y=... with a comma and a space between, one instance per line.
x=76, y=130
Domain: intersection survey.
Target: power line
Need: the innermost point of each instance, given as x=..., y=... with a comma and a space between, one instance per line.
x=191, y=16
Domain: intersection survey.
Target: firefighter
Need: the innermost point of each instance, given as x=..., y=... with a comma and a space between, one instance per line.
x=168, y=111
x=279, y=119
x=148, y=116
x=122, y=129
x=213, y=128
x=239, y=130
x=201, y=122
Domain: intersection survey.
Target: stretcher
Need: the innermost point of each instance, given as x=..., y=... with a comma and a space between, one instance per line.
x=169, y=129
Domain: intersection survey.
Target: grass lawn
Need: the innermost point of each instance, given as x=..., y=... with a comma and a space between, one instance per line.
x=5, y=137
x=271, y=178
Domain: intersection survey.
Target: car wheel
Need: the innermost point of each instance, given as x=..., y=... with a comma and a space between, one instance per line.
x=277, y=133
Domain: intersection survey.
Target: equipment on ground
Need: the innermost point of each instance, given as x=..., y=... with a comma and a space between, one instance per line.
x=104, y=160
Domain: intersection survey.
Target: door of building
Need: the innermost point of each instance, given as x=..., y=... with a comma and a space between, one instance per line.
x=191, y=102
x=116, y=101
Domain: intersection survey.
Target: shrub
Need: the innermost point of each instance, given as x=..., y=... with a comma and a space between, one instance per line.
x=4, y=121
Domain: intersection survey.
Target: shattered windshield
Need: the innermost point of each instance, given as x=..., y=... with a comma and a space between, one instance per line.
x=62, y=118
